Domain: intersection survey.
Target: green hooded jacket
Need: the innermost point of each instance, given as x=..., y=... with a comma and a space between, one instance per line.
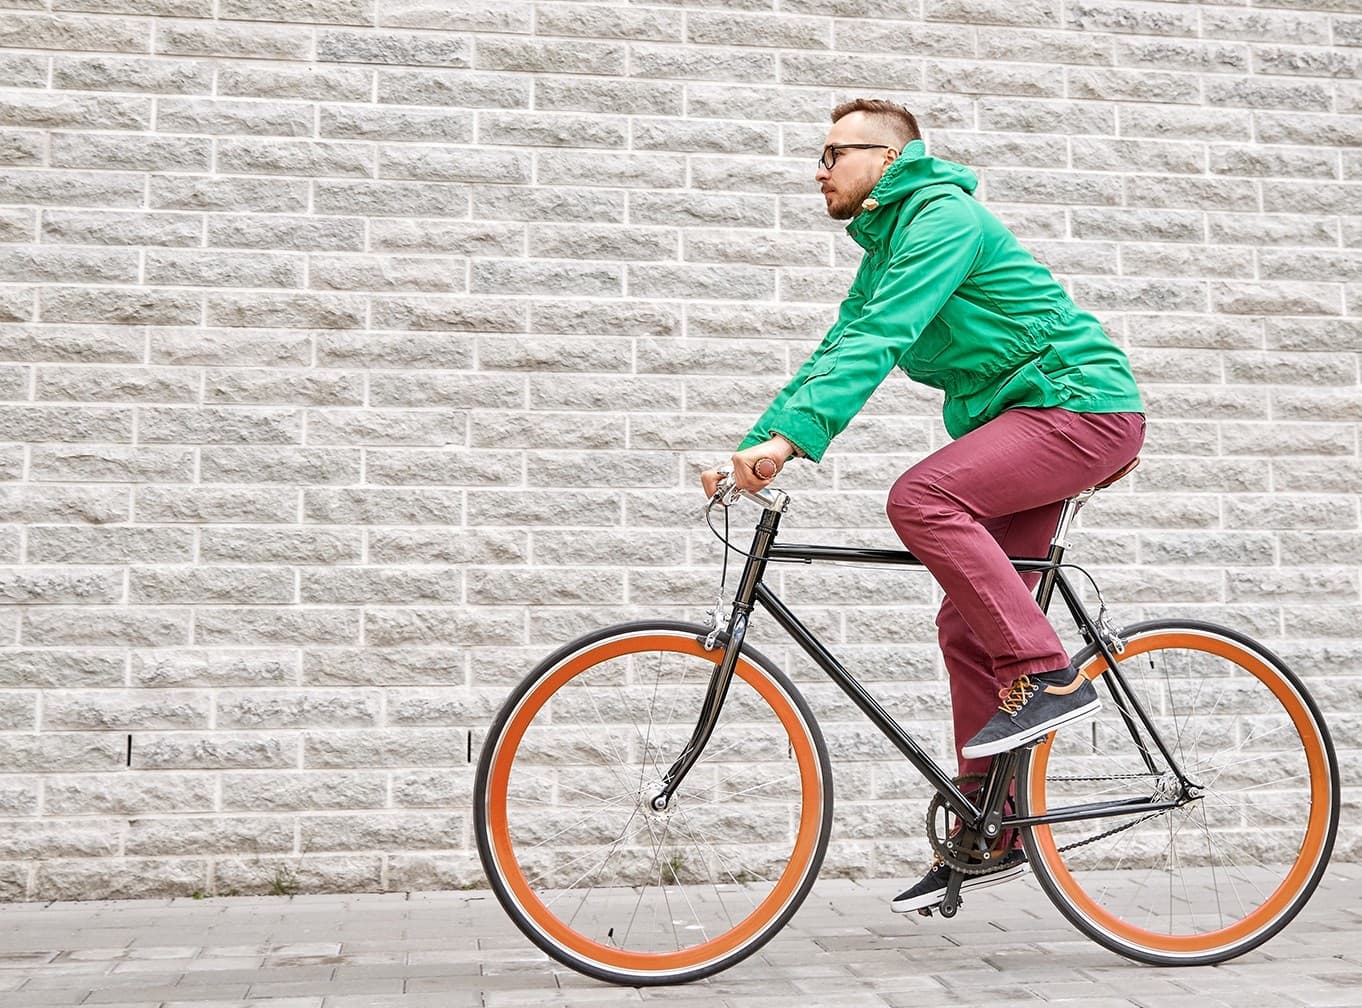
x=946, y=293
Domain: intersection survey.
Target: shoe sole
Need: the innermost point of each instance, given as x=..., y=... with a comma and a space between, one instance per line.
x=1040, y=731
x=974, y=882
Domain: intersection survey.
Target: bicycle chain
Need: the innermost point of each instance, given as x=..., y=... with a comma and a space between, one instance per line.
x=1111, y=832
x=1129, y=776
x=977, y=868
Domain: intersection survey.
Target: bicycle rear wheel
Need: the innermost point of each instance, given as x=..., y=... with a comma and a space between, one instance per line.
x=583, y=864
x=1224, y=872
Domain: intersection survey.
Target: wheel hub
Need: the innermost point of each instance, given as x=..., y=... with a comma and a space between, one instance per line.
x=1170, y=788
x=655, y=804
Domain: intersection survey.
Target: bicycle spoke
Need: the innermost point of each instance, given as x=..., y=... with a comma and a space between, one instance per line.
x=1238, y=764
x=600, y=719
x=573, y=862
x=547, y=784
x=1192, y=707
x=698, y=918
x=706, y=842
x=643, y=889
x=745, y=792
x=648, y=735
x=583, y=820
x=1276, y=781
x=645, y=763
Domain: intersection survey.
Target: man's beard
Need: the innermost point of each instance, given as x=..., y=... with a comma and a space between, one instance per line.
x=845, y=207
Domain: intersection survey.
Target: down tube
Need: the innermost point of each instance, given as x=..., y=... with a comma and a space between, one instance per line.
x=869, y=706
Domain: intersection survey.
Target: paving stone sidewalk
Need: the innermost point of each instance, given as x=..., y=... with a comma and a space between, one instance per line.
x=844, y=949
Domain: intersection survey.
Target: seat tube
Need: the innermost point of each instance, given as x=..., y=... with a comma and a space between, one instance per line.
x=1059, y=542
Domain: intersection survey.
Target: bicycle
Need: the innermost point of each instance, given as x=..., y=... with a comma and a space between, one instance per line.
x=654, y=801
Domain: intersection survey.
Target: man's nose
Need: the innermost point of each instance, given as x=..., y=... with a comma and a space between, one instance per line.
x=821, y=173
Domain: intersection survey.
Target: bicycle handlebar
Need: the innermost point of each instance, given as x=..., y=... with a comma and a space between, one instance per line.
x=727, y=494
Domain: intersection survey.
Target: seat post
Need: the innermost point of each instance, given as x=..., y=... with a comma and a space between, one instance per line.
x=1066, y=518
x=1060, y=541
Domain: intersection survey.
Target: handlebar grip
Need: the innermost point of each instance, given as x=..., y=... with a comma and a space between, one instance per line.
x=727, y=493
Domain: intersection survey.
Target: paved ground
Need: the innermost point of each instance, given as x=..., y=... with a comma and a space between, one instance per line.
x=844, y=949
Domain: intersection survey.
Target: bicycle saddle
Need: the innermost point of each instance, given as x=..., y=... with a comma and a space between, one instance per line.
x=1121, y=473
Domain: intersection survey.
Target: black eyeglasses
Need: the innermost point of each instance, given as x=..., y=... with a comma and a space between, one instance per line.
x=831, y=151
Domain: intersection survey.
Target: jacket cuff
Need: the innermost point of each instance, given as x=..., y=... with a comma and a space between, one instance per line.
x=804, y=432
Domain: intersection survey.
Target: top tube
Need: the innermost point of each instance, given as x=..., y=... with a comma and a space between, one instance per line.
x=777, y=500
x=774, y=500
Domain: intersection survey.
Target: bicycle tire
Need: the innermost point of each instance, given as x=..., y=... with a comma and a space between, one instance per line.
x=574, y=852
x=1216, y=877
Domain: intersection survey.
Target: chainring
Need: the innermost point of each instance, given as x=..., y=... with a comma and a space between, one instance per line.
x=958, y=848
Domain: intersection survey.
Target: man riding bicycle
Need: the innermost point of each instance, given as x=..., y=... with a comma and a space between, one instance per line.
x=1040, y=402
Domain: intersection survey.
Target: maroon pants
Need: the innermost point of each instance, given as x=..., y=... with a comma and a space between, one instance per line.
x=995, y=493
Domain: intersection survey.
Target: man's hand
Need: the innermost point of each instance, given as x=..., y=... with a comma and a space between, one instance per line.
x=753, y=468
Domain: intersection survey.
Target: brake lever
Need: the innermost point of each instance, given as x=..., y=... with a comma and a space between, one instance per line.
x=726, y=494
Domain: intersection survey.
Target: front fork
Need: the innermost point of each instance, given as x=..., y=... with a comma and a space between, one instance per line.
x=730, y=640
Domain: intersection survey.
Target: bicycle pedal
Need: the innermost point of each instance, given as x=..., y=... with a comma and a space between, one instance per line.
x=927, y=910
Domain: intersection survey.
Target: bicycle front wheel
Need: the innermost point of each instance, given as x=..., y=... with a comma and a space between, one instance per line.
x=1223, y=872
x=574, y=850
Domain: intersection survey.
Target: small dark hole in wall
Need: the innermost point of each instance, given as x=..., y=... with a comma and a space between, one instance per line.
x=129, y=750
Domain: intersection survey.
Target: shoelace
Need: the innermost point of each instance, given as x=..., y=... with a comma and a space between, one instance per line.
x=1015, y=696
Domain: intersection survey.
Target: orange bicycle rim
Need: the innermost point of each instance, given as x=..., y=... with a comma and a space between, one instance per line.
x=1311, y=846
x=806, y=840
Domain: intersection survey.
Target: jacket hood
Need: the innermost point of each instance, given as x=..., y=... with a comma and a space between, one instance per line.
x=912, y=171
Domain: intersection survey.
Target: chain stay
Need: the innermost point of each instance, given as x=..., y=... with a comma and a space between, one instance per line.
x=1111, y=832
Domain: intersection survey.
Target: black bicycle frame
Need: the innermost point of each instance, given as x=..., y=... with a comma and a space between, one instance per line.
x=753, y=591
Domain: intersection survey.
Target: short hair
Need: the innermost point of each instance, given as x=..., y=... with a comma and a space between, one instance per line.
x=891, y=115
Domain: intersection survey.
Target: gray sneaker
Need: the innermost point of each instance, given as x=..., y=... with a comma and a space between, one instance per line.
x=929, y=893
x=1032, y=708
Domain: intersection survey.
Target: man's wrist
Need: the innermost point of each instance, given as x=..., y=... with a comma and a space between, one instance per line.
x=791, y=450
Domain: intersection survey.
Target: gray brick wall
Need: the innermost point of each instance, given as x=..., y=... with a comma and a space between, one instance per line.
x=354, y=353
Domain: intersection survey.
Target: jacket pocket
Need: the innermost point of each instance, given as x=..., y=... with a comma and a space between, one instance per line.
x=1029, y=385
x=929, y=359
